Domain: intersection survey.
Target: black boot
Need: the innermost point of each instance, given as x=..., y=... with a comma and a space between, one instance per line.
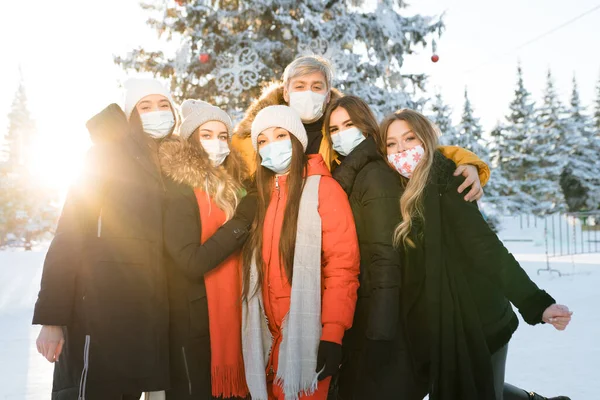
x=535, y=396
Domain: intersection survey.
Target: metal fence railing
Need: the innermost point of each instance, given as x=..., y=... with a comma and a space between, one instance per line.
x=570, y=234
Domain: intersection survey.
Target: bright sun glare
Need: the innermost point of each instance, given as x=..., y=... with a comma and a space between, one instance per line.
x=56, y=160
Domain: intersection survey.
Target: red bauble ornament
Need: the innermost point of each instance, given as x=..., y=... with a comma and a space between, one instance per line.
x=204, y=58
x=435, y=58
x=179, y=2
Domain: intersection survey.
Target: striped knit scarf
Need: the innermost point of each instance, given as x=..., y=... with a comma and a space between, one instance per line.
x=302, y=325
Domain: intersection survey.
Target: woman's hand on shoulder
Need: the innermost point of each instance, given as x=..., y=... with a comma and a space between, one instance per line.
x=471, y=174
x=558, y=316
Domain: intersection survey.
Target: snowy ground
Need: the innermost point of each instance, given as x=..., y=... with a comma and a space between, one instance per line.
x=540, y=358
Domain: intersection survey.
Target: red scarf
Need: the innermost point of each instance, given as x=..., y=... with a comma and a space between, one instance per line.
x=223, y=292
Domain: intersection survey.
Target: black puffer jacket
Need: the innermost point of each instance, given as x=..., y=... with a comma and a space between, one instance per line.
x=458, y=286
x=187, y=262
x=104, y=277
x=374, y=191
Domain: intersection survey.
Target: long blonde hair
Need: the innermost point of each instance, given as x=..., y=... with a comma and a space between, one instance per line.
x=411, y=201
x=223, y=183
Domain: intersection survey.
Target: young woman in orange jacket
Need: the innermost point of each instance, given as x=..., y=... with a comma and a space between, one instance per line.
x=301, y=265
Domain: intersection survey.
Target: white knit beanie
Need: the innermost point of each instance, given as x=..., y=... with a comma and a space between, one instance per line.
x=137, y=88
x=197, y=112
x=279, y=117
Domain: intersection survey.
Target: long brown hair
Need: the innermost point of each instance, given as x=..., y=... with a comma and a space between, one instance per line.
x=361, y=115
x=264, y=181
x=411, y=201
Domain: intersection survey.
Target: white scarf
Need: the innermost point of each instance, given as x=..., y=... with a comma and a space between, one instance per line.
x=302, y=325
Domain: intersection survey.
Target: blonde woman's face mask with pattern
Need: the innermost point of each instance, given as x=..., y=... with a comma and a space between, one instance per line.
x=406, y=161
x=404, y=149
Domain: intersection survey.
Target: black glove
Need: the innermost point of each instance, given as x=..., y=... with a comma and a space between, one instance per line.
x=246, y=210
x=330, y=357
x=378, y=354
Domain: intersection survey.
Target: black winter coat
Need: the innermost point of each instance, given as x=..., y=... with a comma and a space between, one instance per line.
x=463, y=279
x=104, y=279
x=187, y=262
x=374, y=191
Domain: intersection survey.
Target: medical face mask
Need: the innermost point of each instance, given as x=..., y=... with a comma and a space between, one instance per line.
x=277, y=156
x=406, y=161
x=308, y=104
x=345, y=141
x=158, y=124
x=217, y=150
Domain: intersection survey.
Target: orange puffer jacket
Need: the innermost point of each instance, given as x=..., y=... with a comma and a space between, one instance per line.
x=340, y=258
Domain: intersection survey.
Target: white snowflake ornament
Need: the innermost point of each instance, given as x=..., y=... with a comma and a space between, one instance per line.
x=238, y=71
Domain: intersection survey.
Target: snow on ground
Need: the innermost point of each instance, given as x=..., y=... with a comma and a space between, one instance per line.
x=540, y=358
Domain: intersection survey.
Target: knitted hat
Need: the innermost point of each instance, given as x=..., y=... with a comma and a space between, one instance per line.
x=136, y=89
x=196, y=112
x=279, y=117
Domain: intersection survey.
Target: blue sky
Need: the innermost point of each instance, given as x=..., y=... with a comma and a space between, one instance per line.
x=65, y=49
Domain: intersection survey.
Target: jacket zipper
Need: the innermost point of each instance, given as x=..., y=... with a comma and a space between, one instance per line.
x=187, y=370
x=271, y=371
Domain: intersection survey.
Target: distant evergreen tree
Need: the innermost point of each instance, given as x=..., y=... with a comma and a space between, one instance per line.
x=512, y=152
x=441, y=116
x=579, y=179
x=470, y=133
x=547, y=145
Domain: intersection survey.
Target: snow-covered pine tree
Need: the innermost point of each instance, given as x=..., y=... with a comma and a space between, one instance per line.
x=469, y=133
x=547, y=144
x=441, y=116
x=26, y=208
x=21, y=130
x=512, y=153
x=498, y=191
x=596, y=143
x=227, y=49
x=579, y=179
x=597, y=111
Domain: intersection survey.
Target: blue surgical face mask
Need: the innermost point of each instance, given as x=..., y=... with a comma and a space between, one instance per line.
x=277, y=156
x=346, y=141
x=158, y=124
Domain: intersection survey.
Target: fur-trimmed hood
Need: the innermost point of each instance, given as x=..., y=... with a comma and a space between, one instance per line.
x=187, y=164
x=271, y=95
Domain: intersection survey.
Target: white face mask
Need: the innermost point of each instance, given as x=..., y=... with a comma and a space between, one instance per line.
x=158, y=124
x=308, y=104
x=406, y=161
x=345, y=141
x=277, y=156
x=217, y=150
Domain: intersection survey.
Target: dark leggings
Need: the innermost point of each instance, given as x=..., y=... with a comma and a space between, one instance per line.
x=505, y=391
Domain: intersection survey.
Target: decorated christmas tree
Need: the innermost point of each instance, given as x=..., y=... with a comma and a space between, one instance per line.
x=225, y=50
